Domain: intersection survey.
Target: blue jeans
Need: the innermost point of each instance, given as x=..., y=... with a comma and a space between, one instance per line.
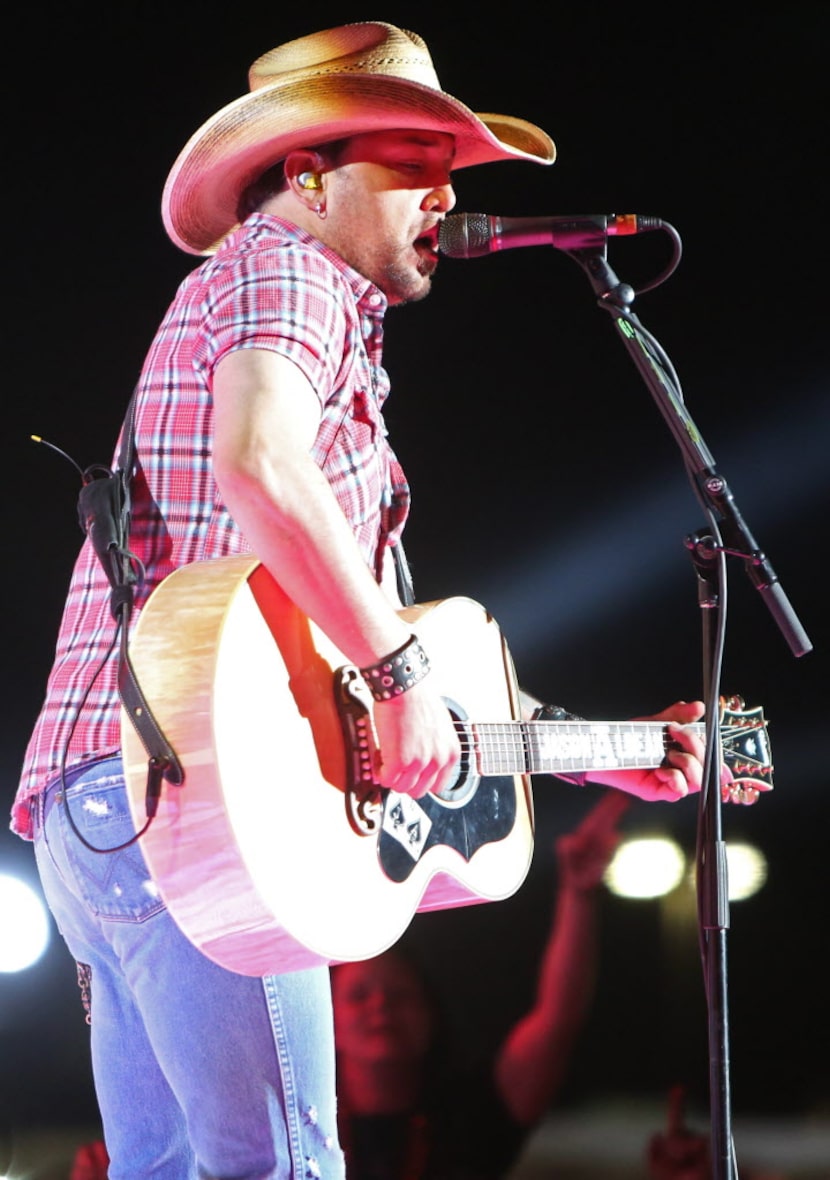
x=199, y=1072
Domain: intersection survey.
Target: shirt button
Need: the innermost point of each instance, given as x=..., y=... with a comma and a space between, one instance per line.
x=374, y=299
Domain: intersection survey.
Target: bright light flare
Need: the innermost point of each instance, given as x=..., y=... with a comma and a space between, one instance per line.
x=24, y=925
x=646, y=868
x=654, y=866
x=746, y=871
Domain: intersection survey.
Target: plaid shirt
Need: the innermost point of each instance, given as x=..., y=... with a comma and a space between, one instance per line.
x=269, y=286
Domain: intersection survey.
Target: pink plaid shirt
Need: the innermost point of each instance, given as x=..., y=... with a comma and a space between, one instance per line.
x=269, y=286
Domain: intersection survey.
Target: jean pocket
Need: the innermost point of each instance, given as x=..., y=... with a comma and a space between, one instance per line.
x=113, y=882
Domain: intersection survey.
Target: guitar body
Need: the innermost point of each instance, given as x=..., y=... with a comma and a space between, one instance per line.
x=254, y=853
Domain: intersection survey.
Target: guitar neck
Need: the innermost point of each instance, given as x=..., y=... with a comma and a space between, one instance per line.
x=567, y=747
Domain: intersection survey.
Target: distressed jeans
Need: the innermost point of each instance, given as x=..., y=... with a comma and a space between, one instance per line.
x=198, y=1071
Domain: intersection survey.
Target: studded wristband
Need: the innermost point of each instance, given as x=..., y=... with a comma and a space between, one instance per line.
x=398, y=671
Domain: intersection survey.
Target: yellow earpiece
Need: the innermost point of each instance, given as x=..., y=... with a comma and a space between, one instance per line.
x=309, y=180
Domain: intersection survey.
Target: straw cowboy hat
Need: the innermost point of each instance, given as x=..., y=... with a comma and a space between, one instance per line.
x=360, y=77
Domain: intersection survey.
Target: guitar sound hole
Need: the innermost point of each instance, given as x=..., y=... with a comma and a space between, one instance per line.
x=466, y=780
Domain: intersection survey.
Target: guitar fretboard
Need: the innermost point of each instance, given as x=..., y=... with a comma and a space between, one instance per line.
x=568, y=747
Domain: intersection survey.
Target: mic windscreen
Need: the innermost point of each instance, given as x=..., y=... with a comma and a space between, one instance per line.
x=465, y=235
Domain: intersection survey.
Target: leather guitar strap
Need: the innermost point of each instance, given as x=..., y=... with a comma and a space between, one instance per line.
x=403, y=575
x=104, y=507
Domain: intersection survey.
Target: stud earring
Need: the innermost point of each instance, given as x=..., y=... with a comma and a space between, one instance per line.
x=320, y=210
x=309, y=180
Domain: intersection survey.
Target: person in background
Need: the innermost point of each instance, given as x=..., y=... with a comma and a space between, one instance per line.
x=405, y=1112
x=91, y=1161
x=681, y=1153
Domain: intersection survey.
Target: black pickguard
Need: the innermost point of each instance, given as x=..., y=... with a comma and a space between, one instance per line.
x=487, y=815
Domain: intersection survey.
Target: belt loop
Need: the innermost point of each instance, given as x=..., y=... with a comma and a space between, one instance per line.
x=36, y=813
x=39, y=802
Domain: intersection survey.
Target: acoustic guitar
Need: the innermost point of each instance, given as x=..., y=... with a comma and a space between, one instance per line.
x=280, y=850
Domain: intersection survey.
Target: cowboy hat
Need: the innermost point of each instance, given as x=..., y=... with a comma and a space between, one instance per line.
x=368, y=76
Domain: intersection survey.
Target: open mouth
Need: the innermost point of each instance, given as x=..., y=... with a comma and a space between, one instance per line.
x=428, y=241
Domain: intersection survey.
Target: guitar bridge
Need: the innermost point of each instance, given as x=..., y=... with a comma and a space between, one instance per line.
x=363, y=794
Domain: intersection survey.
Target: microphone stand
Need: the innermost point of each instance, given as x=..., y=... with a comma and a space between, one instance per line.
x=727, y=535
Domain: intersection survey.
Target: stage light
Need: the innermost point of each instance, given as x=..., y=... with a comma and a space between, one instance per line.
x=653, y=867
x=648, y=867
x=747, y=868
x=24, y=925
x=746, y=871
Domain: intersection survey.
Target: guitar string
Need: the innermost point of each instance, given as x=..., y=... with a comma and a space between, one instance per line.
x=482, y=739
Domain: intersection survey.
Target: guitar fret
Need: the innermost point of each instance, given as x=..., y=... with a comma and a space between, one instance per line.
x=537, y=747
x=501, y=748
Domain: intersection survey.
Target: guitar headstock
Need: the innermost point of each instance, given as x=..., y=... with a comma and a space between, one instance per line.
x=746, y=751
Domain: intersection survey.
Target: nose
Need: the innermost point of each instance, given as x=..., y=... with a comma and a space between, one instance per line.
x=377, y=1001
x=440, y=199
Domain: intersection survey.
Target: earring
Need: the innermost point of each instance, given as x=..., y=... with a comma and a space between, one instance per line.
x=309, y=180
x=320, y=210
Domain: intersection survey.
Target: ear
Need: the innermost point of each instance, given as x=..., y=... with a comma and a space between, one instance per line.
x=304, y=171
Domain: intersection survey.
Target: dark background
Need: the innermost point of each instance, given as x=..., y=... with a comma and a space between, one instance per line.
x=546, y=483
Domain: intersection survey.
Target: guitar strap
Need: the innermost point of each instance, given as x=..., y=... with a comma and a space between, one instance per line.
x=104, y=512
x=403, y=575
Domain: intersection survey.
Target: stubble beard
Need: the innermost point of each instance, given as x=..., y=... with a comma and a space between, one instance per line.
x=401, y=286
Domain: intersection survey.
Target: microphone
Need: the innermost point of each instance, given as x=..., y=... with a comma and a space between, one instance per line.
x=471, y=235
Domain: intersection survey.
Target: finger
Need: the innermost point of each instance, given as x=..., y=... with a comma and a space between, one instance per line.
x=406, y=777
x=743, y=793
x=676, y=1108
x=682, y=712
x=674, y=781
x=434, y=777
x=688, y=766
x=686, y=738
x=670, y=791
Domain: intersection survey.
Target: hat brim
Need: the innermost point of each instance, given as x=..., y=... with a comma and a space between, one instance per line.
x=251, y=133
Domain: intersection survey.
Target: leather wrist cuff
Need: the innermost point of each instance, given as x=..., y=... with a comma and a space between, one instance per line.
x=397, y=672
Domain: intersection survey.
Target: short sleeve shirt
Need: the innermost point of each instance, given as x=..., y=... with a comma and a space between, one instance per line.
x=269, y=286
